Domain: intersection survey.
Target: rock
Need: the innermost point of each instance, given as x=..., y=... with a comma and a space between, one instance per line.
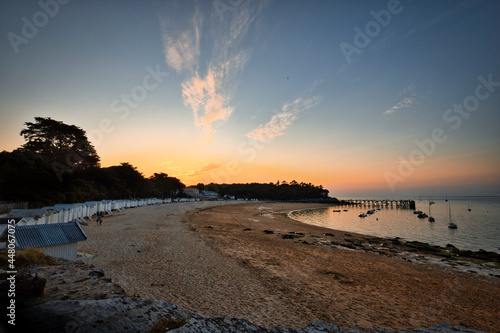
x=450, y=246
x=290, y=236
x=354, y=241
x=96, y=272
x=27, y=288
x=140, y=315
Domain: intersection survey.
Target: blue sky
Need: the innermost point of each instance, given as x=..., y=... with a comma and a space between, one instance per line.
x=338, y=93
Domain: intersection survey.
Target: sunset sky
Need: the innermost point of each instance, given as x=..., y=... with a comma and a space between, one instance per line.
x=396, y=98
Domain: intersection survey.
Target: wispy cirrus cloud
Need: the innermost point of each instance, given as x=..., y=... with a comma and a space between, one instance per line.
x=208, y=97
x=182, y=47
x=403, y=104
x=204, y=170
x=408, y=95
x=290, y=112
x=207, y=89
x=185, y=171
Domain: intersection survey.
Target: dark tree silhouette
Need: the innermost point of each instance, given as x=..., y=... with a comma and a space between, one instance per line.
x=66, y=146
x=132, y=179
x=165, y=185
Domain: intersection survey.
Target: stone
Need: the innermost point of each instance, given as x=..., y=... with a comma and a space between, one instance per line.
x=96, y=272
x=290, y=236
x=135, y=315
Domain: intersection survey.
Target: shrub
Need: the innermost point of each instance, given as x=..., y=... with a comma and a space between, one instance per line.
x=34, y=257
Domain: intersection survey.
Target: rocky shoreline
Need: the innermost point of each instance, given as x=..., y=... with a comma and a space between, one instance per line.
x=141, y=315
x=480, y=262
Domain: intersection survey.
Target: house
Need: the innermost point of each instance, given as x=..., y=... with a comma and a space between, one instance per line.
x=210, y=195
x=58, y=240
x=192, y=192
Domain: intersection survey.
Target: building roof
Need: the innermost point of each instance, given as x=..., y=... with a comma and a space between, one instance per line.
x=47, y=211
x=210, y=193
x=41, y=235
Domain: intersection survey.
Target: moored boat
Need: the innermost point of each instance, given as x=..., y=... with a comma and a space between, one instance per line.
x=430, y=219
x=451, y=224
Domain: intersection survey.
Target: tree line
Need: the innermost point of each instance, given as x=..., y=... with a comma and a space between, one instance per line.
x=58, y=164
x=283, y=191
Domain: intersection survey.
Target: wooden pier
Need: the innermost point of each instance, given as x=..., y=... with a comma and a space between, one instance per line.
x=405, y=204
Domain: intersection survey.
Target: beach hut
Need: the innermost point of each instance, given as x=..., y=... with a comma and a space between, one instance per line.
x=99, y=206
x=107, y=206
x=38, y=216
x=58, y=240
x=75, y=211
x=62, y=214
x=91, y=209
x=118, y=205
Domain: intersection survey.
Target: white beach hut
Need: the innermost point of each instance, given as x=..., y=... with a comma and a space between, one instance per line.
x=58, y=240
x=91, y=209
x=37, y=216
x=107, y=206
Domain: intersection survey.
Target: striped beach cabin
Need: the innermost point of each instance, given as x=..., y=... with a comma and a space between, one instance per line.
x=59, y=240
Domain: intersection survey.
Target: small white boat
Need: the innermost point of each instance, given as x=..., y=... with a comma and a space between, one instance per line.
x=336, y=210
x=362, y=215
x=430, y=219
x=417, y=212
x=451, y=224
x=371, y=211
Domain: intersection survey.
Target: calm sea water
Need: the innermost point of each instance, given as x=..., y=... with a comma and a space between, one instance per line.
x=477, y=229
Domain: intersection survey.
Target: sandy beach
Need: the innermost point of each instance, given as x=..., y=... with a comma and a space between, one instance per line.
x=250, y=261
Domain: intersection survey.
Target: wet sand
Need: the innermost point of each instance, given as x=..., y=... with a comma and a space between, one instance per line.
x=234, y=261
